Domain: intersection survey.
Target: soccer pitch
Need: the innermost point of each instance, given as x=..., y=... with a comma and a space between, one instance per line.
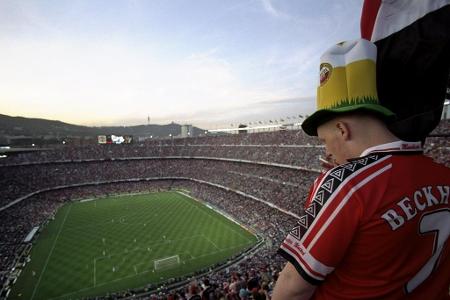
x=110, y=244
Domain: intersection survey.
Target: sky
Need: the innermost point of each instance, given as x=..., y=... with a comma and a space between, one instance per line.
x=210, y=63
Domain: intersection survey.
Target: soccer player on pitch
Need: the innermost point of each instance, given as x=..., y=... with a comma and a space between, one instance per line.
x=376, y=226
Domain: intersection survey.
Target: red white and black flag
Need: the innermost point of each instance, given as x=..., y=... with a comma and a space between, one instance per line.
x=413, y=60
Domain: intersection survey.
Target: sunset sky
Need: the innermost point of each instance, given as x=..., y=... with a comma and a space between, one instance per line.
x=205, y=62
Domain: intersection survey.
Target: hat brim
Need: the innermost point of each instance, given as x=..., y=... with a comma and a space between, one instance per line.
x=311, y=123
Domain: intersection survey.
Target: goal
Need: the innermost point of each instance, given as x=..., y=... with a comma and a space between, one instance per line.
x=167, y=262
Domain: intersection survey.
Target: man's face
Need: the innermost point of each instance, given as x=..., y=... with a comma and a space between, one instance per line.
x=335, y=146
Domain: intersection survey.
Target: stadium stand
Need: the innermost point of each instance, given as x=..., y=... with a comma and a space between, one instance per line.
x=261, y=179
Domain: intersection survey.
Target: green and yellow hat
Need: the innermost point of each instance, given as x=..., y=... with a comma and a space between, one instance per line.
x=347, y=83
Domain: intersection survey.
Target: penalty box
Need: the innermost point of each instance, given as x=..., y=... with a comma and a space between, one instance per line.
x=139, y=260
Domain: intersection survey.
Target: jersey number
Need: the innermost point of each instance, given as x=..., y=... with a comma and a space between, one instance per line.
x=437, y=222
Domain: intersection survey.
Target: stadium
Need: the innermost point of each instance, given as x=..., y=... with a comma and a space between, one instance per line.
x=159, y=218
x=337, y=201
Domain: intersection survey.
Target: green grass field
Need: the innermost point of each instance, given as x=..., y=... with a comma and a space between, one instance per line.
x=110, y=244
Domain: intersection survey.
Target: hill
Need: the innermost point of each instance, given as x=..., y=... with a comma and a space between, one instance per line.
x=13, y=128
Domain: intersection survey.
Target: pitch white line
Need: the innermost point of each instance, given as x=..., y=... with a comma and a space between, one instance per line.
x=209, y=240
x=220, y=250
x=192, y=256
x=209, y=215
x=50, y=253
x=94, y=271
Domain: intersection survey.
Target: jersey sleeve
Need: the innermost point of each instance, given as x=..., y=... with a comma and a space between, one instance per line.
x=322, y=235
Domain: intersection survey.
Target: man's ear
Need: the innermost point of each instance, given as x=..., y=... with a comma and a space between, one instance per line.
x=344, y=130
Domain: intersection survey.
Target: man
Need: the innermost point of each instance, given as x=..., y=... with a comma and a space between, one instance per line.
x=376, y=226
x=208, y=292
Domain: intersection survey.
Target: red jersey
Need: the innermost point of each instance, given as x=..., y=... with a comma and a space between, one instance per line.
x=376, y=228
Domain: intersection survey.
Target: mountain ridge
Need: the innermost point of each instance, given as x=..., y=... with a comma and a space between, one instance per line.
x=12, y=127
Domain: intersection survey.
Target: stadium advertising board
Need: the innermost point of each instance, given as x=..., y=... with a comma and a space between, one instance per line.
x=115, y=139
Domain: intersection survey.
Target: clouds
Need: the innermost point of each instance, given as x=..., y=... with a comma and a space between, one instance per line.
x=242, y=114
x=204, y=61
x=99, y=80
x=271, y=10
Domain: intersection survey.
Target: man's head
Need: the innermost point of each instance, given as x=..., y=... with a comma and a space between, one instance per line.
x=334, y=134
x=347, y=135
x=347, y=84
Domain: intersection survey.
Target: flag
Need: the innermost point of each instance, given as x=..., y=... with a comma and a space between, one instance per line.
x=413, y=60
